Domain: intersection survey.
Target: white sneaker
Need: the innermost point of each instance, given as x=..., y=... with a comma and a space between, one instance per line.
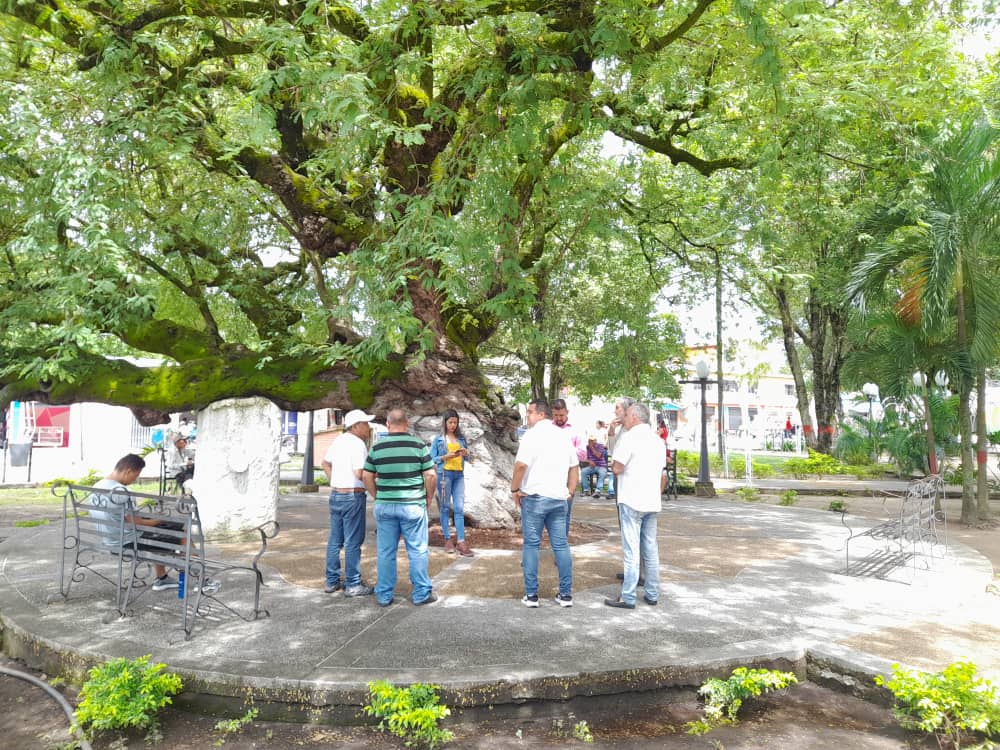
x=530, y=601
x=564, y=601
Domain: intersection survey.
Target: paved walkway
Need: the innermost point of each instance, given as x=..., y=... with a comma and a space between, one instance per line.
x=742, y=583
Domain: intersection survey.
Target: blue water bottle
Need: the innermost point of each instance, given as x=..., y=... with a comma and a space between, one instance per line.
x=180, y=585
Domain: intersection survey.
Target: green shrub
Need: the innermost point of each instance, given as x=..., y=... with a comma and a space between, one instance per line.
x=225, y=727
x=125, y=693
x=738, y=468
x=837, y=506
x=410, y=713
x=819, y=464
x=949, y=704
x=91, y=478
x=748, y=494
x=788, y=497
x=723, y=698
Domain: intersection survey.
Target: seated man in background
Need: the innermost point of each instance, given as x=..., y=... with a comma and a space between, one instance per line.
x=596, y=467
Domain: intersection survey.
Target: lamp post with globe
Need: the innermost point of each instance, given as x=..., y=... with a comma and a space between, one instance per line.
x=703, y=487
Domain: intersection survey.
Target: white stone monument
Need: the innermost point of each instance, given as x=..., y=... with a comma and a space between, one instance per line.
x=236, y=465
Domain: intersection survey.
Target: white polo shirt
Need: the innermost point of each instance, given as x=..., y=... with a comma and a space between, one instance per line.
x=643, y=455
x=549, y=454
x=346, y=455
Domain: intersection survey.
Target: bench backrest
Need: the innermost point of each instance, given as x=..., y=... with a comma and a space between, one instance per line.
x=121, y=519
x=917, y=513
x=98, y=516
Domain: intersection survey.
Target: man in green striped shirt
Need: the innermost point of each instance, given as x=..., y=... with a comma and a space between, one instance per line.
x=400, y=475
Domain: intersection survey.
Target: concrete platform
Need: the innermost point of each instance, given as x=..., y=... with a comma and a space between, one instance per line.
x=742, y=584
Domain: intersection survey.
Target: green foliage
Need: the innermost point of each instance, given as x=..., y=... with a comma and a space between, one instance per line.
x=91, y=478
x=125, y=693
x=723, y=698
x=748, y=494
x=950, y=704
x=788, y=497
x=819, y=464
x=738, y=467
x=837, y=506
x=581, y=731
x=230, y=726
x=688, y=462
x=411, y=713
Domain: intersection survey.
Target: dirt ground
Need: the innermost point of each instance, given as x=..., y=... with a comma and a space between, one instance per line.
x=806, y=716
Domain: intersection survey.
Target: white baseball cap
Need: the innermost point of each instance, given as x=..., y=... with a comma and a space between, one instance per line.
x=356, y=415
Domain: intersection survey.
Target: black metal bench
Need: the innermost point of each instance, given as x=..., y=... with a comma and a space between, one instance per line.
x=99, y=524
x=911, y=535
x=670, y=490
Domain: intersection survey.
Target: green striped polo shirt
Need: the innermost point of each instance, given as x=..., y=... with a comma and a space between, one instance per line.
x=399, y=461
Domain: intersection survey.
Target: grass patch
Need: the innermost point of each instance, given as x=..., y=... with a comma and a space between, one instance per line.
x=12, y=497
x=31, y=524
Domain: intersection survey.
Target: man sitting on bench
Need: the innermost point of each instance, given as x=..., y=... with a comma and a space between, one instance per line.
x=126, y=471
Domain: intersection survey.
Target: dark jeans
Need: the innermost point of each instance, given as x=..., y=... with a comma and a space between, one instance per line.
x=347, y=531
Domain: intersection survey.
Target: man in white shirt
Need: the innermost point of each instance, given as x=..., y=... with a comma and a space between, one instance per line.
x=546, y=473
x=638, y=463
x=343, y=464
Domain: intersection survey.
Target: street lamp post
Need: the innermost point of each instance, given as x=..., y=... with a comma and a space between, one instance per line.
x=920, y=381
x=703, y=487
x=871, y=393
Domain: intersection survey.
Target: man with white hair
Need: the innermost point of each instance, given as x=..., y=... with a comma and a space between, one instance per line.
x=638, y=464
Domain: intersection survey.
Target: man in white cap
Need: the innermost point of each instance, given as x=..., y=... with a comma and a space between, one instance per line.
x=343, y=465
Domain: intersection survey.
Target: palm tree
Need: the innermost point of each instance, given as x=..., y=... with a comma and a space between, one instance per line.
x=942, y=258
x=888, y=349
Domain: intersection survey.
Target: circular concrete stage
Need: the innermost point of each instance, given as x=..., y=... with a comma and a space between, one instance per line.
x=741, y=584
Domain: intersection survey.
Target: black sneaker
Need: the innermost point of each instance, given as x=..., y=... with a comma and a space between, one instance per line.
x=530, y=601
x=362, y=589
x=618, y=604
x=163, y=583
x=564, y=600
x=429, y=600
x=650, y=602
x=333, y=588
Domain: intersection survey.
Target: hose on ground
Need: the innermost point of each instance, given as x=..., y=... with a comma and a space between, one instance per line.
x=55, y=695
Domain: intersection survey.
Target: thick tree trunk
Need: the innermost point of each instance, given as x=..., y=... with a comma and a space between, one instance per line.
x=440, y=382
x=982, y=472
x=788, y=337
x=970, y=511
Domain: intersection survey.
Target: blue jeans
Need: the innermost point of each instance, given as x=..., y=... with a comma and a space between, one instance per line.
x=586, y=473
x=409, y=521
x=452, y=498
x=639, y=537
x=539, y=512
x=347, y=532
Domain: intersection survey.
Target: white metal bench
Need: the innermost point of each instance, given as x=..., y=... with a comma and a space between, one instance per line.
x=915, y=534
x=99, y=524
